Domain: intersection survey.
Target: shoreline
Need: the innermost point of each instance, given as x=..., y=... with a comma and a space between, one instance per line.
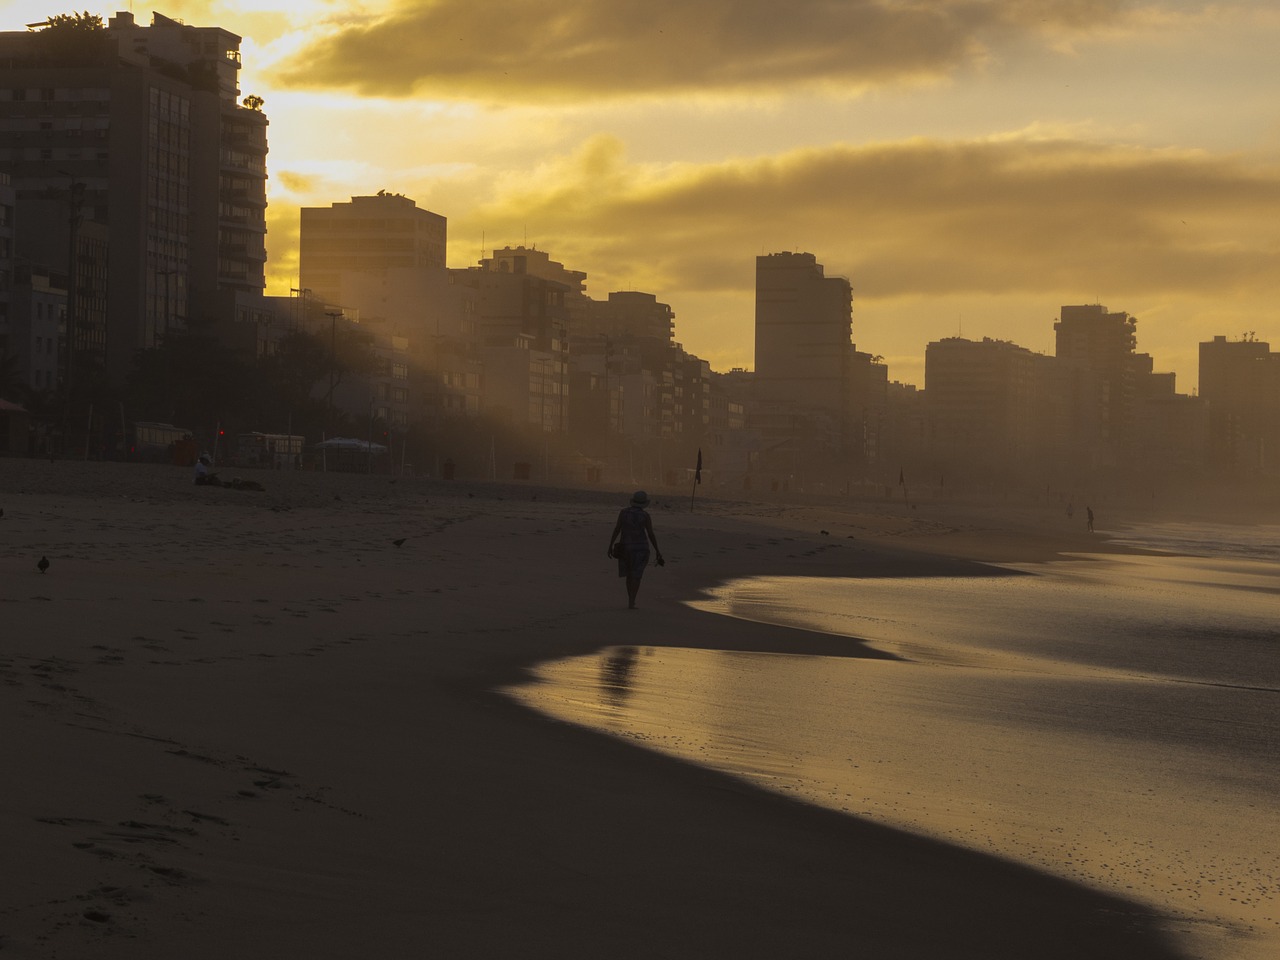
x=252, y=725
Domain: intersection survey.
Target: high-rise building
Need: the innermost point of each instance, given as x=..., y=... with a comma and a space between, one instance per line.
x=1240, y=382
x=980, y=403
x=139, y=130
x=536, y=265
x=6, y=266
x=522, y=321
x=628, y=313
x=804, y=325
x=803, y=383
x=342, y=245
x=1097, y=347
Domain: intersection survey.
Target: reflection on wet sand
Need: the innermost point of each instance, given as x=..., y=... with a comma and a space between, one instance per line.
x=615, y=675
x=1009, y=737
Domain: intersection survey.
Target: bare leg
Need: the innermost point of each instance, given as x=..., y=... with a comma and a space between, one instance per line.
x=633, y=587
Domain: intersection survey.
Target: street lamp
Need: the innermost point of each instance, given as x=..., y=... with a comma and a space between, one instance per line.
x=301, y=313
x=75, y=202
x=333, y=316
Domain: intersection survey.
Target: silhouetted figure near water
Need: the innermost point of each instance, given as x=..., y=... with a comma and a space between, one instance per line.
x=1089, y=521
x=636, y=532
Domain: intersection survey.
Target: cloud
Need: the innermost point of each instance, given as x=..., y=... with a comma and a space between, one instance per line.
x=283, y=226
x=912, y=218
x=296, y=182
x=539, y=50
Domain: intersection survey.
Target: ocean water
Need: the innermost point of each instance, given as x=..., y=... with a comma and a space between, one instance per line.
x=1111, y=719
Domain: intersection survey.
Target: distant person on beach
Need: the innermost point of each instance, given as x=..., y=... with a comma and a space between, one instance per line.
x=204, y=472
x=1089, y=521
x=633, y=533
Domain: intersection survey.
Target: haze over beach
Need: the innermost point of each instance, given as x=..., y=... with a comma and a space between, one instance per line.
x=969, y=166
x=288, y=722
x=987, y=671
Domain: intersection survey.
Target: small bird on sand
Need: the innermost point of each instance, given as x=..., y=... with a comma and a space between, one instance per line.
x=43, y=564
x=400, y=542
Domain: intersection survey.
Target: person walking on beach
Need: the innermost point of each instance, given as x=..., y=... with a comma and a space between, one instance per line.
x=636, y=532
x=1089, y=521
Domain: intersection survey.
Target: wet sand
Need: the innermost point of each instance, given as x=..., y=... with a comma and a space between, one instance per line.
x=249, y=724
x=1109, y=720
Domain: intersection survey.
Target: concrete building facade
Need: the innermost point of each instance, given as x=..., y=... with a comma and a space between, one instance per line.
x=137, y=129
x=1240, y=383
x=803, y=333
x=980, y=401
x=342, y=245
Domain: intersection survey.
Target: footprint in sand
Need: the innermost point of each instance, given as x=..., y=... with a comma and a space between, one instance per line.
x=175, y=876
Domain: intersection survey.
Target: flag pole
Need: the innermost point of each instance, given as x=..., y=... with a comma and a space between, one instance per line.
x=697, y=479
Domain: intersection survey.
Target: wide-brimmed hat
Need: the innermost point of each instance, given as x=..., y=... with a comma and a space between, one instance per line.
x=639, y=498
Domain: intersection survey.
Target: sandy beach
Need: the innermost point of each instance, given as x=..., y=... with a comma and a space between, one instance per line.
x=249, y=724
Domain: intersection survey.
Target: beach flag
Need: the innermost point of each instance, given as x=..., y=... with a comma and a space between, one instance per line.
x=697, y=479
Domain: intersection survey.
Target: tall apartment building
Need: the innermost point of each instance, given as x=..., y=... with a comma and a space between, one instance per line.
x=342, y=245
x=532, y=262
x=803, y=328
x=522, y=323
x=137, y=129
x=1096, y=347
x=627, y=313
x=804, y=352
x=980, y=403
x=6, y=265
x=1240, y=383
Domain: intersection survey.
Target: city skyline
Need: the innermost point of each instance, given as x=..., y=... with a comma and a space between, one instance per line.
x=968, y=167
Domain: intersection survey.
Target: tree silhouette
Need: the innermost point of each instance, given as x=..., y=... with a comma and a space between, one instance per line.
x=296, y=378
x=71, y=38
x=191, y=380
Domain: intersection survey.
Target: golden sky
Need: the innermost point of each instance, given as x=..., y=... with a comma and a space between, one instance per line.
x=969, y=165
